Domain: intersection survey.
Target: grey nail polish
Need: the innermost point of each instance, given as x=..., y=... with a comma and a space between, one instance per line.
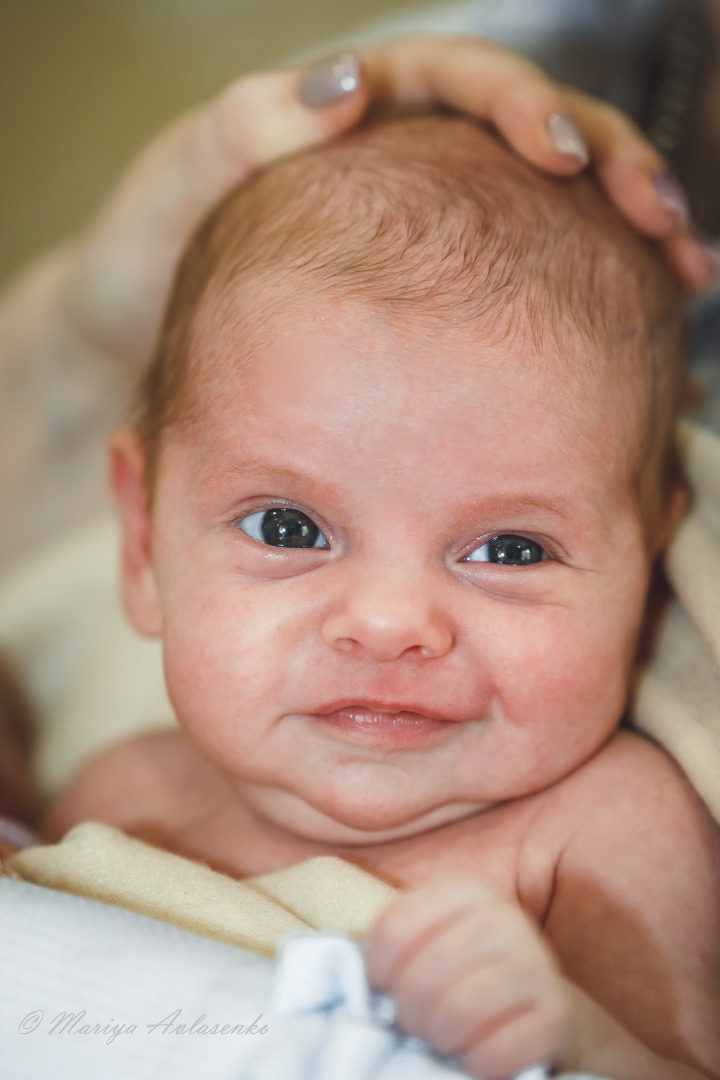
x=330, y=80
x=711, y=252
x=17, y=835
x=567, y=137
x=672, y=196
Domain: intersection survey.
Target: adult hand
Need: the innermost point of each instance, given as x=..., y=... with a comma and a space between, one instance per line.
x=80, y=326
x=118, y=276
x=558, y=129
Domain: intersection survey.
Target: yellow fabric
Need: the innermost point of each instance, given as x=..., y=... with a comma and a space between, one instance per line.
x=677, y=699
x=101, y=863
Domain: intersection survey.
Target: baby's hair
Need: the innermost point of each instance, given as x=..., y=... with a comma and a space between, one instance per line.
x=428, y=218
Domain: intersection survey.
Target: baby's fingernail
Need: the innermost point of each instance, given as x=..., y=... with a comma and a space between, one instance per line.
x=330, y=80
x=672, y=197
x=15, y=835
x=567, y=137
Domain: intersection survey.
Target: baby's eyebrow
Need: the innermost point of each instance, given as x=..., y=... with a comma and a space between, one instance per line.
x=236, y=467
x=241, y=466
x=507, y=505
x=501, y=510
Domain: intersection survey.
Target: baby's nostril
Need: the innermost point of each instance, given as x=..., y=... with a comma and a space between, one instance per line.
x=345, y=644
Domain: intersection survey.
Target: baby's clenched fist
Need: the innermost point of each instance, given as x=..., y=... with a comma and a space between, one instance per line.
x=471, y=974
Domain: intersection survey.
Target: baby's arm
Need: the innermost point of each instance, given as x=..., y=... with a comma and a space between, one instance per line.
x=635, y=914
x=626, y=984
x=149, y=786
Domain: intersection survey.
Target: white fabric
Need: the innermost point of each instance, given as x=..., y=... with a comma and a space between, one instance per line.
x=70, y=963
x=327, y=1022
x=63, y=954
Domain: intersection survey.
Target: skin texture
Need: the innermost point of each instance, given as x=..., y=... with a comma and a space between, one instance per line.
x=103, y=298
x=530, y=836
x=395, y=589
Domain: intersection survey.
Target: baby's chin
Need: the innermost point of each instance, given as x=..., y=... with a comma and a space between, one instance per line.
x=357, y=824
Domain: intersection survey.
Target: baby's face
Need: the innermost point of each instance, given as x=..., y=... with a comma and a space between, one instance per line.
x=395, y=583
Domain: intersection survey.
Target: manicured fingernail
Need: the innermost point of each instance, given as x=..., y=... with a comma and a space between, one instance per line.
x=16, y=835
x=330, y=80
x=672, y=196
x=710, y=251
x=567, y=137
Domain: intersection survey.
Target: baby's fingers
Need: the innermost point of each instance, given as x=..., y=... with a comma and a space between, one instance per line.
x=501, y=1020
x=521, y=1040
x=409, y=926
x=501, y=958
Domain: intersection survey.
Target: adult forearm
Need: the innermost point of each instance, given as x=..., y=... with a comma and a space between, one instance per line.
x=58, y=399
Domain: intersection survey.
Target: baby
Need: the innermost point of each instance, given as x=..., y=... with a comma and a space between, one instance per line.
x=402, y=472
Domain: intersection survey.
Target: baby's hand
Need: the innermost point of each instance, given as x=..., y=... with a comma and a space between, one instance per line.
x=472, y=975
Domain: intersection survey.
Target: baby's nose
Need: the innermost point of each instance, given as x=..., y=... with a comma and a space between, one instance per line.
x=383, y=621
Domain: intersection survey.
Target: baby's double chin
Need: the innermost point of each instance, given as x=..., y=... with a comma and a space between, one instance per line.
x=363, y=824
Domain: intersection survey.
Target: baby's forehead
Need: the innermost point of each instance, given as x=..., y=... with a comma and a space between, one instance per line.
x=427, y=224
x=260, y=343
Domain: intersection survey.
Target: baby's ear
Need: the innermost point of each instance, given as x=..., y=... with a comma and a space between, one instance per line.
x=127, y=481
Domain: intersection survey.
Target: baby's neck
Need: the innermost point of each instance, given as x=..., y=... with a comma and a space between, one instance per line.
x=234, y=840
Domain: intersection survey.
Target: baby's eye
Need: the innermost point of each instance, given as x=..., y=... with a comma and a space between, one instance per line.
x=283, y=527
x=509, y=550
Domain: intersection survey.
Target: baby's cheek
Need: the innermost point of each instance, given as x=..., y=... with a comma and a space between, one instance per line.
x=224, y=670
x=565, y=692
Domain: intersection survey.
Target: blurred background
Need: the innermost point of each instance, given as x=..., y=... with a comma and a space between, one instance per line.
x=83, y=83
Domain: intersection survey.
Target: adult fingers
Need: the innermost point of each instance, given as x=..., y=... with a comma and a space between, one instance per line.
x=634, y=176
x=485, y=80
x=695, y=261
x=556, y=128
x=255, y=120
x=125, y=264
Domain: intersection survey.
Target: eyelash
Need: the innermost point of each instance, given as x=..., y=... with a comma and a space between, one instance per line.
x=522, y=538
x=280, y=525
x=260, y=513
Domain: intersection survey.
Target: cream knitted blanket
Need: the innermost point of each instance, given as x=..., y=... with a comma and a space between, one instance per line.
x=324, y=894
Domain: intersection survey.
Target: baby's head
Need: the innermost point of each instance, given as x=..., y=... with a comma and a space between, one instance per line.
x=403, y=463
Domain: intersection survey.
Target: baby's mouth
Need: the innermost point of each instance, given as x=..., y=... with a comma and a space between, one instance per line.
x=385, y=726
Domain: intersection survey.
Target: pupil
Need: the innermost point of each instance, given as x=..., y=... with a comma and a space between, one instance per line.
x=288, y=528
x=514, y=551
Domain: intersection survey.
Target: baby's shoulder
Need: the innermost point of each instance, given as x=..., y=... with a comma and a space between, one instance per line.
x=631, y=799
x=629, y=771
